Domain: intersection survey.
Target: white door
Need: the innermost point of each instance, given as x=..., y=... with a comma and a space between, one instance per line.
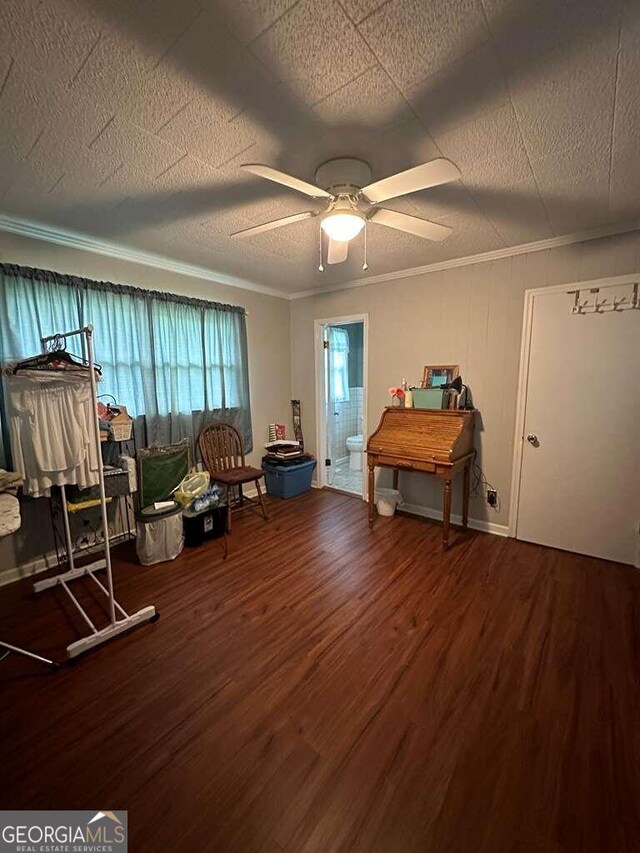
x=580, y=474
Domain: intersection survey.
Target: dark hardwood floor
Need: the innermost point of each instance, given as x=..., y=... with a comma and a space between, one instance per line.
x=328, y=688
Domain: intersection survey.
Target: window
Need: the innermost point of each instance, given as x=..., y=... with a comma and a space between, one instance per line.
x=339, y=364
x=175, y=363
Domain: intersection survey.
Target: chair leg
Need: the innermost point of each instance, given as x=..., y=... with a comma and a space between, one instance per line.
x=229, y=509
x=261, y=501
x=240, y=495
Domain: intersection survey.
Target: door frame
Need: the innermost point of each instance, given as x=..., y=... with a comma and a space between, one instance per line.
x=321, y=420
x=523, y=374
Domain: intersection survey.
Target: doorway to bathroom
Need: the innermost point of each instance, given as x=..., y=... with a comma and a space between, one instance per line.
x=341, y=370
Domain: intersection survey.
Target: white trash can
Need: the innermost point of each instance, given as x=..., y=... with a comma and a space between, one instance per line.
x=159, y=534
x=387, y=500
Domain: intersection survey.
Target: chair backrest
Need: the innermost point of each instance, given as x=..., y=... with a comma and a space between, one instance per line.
x=221, y=447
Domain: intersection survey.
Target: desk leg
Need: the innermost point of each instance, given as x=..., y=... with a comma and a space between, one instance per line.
x=446, y=514
x=372, y=486
x=395, y=478
x=465, y=493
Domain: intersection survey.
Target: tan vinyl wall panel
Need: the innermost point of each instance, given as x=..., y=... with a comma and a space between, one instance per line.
x=471, y=316
x=268, y=344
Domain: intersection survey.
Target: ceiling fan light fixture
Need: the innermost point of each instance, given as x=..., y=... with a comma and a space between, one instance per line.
x=353, y=202
x=341, y=226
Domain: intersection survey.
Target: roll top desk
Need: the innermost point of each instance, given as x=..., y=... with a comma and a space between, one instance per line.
x=431, y=441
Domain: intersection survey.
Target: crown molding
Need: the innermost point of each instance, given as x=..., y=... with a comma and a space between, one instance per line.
x=76, y=240
x=483, y=257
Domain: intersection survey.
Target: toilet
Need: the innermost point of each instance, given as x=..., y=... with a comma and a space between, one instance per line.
x=354, y=446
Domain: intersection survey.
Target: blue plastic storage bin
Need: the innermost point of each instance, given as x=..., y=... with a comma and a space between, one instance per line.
x=287, y=481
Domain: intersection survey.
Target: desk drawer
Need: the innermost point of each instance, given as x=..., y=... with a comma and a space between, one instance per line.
x=406, y=464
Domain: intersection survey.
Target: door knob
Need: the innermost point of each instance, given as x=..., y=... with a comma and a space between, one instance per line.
x=532, y=438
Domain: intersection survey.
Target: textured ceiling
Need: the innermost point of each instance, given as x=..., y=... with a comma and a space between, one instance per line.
x=128, y=120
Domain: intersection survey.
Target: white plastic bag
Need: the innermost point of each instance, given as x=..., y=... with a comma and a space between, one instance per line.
x=387, y=500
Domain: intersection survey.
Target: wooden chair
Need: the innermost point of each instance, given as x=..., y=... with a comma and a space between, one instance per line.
x=222, y=452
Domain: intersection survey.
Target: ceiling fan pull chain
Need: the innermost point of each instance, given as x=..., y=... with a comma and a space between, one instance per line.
x=365, y=265
x=320, y=266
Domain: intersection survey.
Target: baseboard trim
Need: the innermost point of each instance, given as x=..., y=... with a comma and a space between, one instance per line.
x=475, y=523
x=29, y=569
x=44, y=563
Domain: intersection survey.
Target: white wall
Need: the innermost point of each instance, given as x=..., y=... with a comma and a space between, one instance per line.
x=471, y=316
x=268, y=344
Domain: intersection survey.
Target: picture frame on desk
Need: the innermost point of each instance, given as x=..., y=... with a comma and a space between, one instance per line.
x=437, y=375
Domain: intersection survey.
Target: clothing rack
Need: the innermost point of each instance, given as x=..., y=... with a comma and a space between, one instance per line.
x=119, y=621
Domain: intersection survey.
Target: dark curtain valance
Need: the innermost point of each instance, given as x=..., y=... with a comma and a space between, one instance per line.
x=123, y=289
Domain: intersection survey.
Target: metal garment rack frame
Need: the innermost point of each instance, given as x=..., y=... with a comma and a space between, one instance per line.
x=121, y=621
x=127, y=515
x=26, y=653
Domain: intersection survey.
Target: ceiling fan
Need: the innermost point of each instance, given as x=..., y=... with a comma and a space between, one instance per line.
x=352, y=201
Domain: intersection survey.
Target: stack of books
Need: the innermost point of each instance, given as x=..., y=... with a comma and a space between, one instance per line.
x=283, y=449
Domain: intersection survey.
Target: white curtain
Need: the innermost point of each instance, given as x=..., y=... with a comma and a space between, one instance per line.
x=339, y=364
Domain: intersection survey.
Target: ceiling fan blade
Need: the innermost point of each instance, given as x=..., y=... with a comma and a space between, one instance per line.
x=422, y=177
x=287, y=180
x=338, y=251
x=275, y=223
x=410, y=224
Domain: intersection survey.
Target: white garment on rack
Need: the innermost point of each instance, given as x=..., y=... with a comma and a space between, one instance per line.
x=51, y=427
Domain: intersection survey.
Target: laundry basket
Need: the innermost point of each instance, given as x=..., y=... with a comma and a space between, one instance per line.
x=387, y=500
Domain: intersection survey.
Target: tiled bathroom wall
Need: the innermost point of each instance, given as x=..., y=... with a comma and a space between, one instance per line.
x=347, y=421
